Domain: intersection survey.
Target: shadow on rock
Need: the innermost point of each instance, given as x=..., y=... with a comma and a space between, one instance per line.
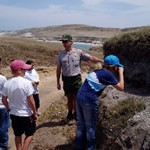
x=137, y=91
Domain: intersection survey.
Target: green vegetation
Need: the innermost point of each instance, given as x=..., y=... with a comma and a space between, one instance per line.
x=114, y=119
x=129, y=45
x=133, y=49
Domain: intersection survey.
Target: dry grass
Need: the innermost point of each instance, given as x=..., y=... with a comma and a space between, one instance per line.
x=53, y=120
x=42, y=53
x=57, y=113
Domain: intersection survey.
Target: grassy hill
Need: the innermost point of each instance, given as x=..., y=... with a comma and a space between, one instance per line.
x=32, y=43
x=44, y=54
x=78, y=31
x=19, y=48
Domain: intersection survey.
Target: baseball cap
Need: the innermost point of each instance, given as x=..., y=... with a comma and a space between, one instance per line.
x=19, y=64
x=66, y=37
x=112, y=60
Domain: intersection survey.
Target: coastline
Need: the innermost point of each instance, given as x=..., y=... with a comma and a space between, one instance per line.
x=80, y=45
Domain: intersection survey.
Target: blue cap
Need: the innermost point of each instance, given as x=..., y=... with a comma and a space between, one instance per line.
x=112, y=60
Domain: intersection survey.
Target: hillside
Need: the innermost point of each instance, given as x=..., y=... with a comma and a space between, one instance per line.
x=43, y=53
x=81, y=33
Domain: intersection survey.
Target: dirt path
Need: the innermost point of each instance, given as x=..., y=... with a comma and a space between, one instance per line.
x=48, y=95
x=49, y=92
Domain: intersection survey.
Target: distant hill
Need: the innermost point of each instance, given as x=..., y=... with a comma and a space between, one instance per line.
x=80, y=33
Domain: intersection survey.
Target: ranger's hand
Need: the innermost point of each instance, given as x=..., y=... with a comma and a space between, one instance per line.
x=58, y=86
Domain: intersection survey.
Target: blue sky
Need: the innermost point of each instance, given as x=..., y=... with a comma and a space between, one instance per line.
x=23, y=14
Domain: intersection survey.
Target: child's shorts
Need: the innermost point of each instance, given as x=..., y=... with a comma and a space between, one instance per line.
x=23, y=125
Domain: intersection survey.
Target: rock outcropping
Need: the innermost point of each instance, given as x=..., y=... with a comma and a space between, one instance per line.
x=136, y=133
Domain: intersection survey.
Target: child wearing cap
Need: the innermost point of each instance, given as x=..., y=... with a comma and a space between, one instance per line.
x=21, y=104
x=87, y=99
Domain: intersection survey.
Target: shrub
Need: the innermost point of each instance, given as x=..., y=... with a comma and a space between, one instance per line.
x=133, y=49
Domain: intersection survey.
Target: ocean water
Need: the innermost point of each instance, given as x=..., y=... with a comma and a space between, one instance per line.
x=83, y=46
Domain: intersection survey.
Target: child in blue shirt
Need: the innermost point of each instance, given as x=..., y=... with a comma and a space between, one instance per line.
x=87, y=99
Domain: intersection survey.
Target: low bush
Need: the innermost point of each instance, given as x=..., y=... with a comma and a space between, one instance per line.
x=133, y=49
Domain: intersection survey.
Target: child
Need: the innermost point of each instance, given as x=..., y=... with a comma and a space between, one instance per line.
x=21, y=104
x=33, y=76
x=87, y=100
x=4, y=117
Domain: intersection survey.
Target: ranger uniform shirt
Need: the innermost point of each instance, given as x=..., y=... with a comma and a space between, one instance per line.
x=71, y=61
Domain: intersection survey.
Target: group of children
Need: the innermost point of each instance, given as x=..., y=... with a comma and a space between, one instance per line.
x=19, y=99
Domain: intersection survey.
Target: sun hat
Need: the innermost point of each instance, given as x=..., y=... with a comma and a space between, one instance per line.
x=19, y=64
x=112, y=60
x=66, y=37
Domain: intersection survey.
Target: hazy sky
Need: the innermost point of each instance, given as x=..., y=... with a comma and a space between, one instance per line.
x=22, y=14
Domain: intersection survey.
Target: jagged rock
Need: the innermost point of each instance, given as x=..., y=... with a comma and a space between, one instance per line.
x=136, y=135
